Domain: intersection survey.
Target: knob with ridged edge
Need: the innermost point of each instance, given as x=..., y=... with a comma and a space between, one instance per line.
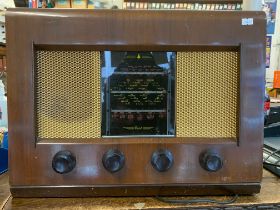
x=113, y=160
x=211, y=161
x=162, y=160
x=63, y=162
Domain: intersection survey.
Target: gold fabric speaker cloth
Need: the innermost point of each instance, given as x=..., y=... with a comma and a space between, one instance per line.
x=68, y=94
x=207, y=94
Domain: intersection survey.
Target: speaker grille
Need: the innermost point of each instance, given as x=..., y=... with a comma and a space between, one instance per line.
x=67, y=96
x=207, y=94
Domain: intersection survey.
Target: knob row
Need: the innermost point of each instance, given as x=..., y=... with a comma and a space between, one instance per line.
x=114, y=160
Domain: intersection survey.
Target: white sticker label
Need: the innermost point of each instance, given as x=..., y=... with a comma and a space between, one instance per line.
x=247, y=21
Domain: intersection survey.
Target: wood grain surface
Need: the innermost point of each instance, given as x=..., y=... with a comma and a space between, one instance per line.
x=269, y=195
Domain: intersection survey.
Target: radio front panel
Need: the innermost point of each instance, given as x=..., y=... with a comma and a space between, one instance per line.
x=137, y=94
x=135, y=102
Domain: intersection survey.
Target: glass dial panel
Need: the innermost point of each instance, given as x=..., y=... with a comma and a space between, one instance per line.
x=138, y=93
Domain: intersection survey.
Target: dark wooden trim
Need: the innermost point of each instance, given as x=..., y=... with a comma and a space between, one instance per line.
x=33, y=72
x=128, y=190
x=171, y=140
x=119, y=47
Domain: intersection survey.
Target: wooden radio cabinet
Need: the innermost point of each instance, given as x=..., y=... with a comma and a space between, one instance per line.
x=134, y=103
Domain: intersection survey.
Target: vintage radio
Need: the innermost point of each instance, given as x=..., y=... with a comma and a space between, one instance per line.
x=118, y=103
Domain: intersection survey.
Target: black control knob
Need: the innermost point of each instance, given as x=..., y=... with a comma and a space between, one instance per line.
x=211, y=161
x=113, y=160
x=162, y=160
x=63, y=162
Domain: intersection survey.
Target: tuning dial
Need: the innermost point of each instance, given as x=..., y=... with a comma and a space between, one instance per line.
x=162, y=160
x=63, y=162
x=113, y=160
x=211, y=161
